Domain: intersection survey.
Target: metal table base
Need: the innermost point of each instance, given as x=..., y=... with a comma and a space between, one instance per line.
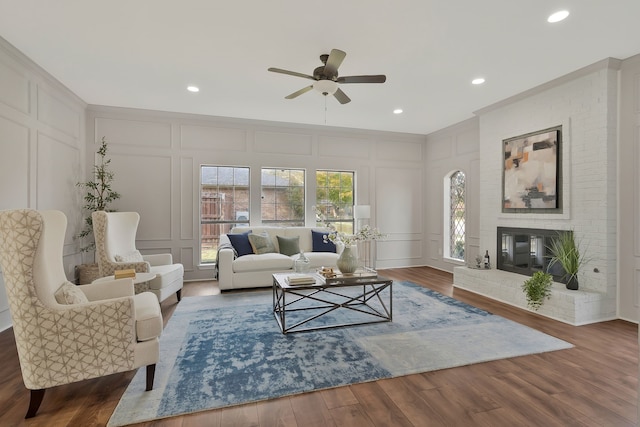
x=321, y=299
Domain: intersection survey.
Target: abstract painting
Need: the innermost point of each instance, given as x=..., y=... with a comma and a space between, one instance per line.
x=530, y=179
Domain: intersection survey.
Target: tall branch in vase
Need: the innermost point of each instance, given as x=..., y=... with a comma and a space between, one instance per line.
x=366, y=233
x=99, y=195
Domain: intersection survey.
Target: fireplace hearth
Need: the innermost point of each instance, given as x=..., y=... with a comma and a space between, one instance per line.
x=526, y=250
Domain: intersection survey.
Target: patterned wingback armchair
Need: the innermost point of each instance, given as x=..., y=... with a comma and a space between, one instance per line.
x=115, y=236
x=67, y=333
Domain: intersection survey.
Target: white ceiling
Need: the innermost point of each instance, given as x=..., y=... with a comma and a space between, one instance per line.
x=143, y=53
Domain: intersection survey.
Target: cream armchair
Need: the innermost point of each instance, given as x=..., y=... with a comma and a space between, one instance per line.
x=67, y=333
x=115, y=235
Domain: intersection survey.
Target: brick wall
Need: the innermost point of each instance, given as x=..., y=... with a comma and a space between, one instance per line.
x=585, y=105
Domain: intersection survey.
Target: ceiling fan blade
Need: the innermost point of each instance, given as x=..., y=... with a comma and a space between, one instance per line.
x=341, y=97
x=381, y=78
x=335, y=59
x=299, y=92
x=290, y=73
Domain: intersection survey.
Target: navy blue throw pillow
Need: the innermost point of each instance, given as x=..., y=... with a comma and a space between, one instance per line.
x=240, y=243
x=318, y=243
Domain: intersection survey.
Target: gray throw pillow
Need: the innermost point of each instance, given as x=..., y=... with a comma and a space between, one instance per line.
x=261, y=243
x=289, y=245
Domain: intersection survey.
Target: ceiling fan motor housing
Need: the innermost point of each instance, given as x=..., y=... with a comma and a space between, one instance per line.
x=319, y=74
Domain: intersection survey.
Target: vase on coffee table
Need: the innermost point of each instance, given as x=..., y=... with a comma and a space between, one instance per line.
x=301, y=264
x=348, y=260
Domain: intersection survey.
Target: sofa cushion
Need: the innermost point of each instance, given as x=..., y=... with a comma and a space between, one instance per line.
x=321, y=259
x=261, y=243
x=166, y=274
x=319, y=245
x=289, y=245
x=262, y=262
x=240, y=243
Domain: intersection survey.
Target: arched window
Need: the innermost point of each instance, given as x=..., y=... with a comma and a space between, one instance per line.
x=455, y=217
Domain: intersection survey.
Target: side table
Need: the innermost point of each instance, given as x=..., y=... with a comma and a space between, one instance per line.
x=140, y=282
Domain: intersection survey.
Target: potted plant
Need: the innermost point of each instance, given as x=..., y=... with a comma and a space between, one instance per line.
x=97, y=198
x=565, y=252
x=537, y=289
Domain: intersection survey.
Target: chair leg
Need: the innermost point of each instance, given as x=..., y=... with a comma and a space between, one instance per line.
x=151, y=372
x=34, y=404
x=179, y=294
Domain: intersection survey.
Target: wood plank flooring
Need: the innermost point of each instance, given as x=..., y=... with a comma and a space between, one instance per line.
x=593, y=384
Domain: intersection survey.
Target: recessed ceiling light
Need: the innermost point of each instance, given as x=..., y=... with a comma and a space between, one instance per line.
x=477, y=81
x=193, y=89
x=397, y=111
x=558, y=16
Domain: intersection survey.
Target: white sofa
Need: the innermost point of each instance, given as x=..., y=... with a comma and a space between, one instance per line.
x=254, y=271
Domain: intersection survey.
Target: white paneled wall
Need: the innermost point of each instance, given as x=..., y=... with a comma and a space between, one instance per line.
x=629, y=188
x=42, y=128
x=399, y=214
x=448, y=150
x=157, y=156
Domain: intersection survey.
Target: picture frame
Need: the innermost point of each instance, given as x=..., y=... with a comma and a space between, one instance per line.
x=532, y=172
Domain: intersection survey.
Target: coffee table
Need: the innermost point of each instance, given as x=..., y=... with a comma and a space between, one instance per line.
x=369, y=296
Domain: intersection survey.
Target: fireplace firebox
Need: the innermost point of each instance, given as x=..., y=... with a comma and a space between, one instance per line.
x=526, y=250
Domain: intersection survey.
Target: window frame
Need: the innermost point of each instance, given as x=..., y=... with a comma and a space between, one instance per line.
x=338, y=222
x=448, y=244
x=276, y=221
x=222, y=223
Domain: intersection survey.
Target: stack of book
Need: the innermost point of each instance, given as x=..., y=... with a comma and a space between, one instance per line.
x=121, y=274
x=301, y=279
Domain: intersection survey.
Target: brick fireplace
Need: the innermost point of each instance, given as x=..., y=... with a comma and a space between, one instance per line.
x=526, y=250
x=520, y=253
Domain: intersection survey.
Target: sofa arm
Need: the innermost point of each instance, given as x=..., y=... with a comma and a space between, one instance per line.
x=225, y=267
x=158, y=259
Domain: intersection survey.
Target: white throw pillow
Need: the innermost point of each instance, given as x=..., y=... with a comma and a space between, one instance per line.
x=134, y=256
x=69, y=293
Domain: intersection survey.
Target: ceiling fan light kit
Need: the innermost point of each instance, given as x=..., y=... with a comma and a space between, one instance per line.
x=326, y=80
x=326, y=87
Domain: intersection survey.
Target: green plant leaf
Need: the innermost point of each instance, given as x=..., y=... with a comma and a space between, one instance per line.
x=99, y=194
x=537, y=289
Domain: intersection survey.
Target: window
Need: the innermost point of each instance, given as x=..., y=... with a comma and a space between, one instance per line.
x=282, y=196
x=334, y=198
x=455, y=205
x=224, y=202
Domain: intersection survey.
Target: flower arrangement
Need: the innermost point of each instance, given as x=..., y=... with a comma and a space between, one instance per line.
x=366, y=233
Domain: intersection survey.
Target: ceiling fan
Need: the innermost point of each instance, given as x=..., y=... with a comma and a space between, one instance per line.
x=326, y=78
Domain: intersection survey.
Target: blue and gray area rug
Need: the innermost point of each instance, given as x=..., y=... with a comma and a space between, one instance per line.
x=225, y=350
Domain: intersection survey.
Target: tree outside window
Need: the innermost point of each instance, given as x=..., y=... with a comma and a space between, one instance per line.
x=224, y=203
x=335, y=198
x=282, y=199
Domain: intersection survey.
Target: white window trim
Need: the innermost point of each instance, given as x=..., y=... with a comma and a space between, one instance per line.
x=446, y=249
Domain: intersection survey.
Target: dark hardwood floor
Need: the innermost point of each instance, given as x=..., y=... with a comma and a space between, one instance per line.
x=593, y=384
